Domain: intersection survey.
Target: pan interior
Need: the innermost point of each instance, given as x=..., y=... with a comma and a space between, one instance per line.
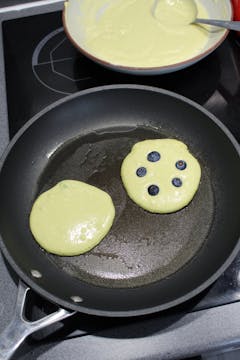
x=141, y=247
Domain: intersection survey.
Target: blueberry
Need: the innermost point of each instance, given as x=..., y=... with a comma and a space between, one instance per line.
x=141, y=171
x=153, y=190
x=181, y=165
x=177, y=182
x=153, y=156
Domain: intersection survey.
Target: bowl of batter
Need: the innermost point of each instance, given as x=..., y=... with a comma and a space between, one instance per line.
x=145, y=37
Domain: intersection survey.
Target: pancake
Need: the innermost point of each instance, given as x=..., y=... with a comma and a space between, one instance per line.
x=71, y=218
x=161, y=175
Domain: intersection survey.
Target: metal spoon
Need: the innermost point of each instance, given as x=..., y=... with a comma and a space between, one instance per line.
x=230, y=25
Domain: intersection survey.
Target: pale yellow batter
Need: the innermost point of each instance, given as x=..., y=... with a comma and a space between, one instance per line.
x=161, y=175
x=71, y=218
x=125, y=32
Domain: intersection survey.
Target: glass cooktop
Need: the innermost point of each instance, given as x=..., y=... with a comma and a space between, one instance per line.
x=42, y=66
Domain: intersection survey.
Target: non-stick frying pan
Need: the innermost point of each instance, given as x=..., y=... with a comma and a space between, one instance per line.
x=147, y=262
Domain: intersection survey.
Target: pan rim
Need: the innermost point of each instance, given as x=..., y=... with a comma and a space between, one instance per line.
x=65, y=304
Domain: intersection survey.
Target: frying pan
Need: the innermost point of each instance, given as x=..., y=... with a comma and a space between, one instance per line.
x=147, y=262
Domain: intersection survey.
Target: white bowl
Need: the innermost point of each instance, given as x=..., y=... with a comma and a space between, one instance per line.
x=73, y=16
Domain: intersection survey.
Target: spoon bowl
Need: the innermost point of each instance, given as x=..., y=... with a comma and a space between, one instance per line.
x=174, y=12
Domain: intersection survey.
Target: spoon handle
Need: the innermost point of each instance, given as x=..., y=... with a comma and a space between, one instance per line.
x=231, y=25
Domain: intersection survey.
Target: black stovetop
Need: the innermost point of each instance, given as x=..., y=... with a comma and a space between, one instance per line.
x=42, y=67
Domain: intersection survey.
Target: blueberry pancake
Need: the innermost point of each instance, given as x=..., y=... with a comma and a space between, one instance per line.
x=161, y=175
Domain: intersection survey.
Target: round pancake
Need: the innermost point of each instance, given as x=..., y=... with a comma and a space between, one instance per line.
x=71, y=218
x=161, y=175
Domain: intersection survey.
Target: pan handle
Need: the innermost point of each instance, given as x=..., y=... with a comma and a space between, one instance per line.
x=19, y=328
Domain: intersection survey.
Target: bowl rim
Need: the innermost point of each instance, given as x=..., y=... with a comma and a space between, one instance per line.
x=143, y=69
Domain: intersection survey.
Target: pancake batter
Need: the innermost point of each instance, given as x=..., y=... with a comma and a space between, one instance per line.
x=125, y=32
x=71, y=218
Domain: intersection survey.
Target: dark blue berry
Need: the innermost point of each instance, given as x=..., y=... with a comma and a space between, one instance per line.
x=181, y=165
x=153, y=156
x=177, y=182
x=153, y=190
x=141, y=171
